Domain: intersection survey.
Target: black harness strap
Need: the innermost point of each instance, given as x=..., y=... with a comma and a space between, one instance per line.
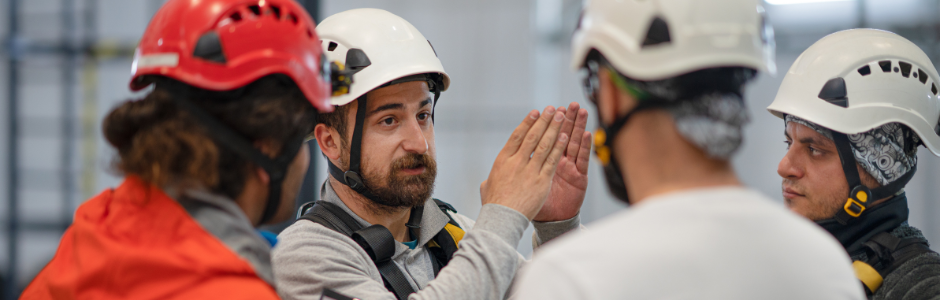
x=378, y=242
x=887, y=252
x=276, y=167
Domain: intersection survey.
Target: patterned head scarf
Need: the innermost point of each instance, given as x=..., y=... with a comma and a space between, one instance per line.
x=886, y=152
x=712, y=121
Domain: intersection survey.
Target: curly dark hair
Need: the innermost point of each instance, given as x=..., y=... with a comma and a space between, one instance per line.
x=163, y=144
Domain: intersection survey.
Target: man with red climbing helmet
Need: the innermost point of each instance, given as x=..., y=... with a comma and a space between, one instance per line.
x=215, y=149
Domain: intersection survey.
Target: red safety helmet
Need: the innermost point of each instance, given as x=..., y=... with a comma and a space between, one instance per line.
x=226, y=44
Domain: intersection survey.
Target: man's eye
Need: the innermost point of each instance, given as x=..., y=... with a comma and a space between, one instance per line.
x=388, y=121
x=423, y=116
x=789, y=143
x=814, y=150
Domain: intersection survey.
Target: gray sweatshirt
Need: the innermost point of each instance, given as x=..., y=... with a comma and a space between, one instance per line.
x=310, y=257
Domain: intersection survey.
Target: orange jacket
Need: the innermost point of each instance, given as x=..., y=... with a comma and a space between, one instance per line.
x=135, y=242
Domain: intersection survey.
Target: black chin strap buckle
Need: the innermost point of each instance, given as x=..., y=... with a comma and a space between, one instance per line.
x=353, y=180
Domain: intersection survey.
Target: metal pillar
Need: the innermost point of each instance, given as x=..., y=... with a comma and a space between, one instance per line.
x=68, y=110
x=14, y=53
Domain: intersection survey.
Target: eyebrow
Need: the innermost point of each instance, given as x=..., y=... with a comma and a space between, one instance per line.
x=392, y=106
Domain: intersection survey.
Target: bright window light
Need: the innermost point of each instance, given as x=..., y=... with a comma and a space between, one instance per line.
x=785, y=2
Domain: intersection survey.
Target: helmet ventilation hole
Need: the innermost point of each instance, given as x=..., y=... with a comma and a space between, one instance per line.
x=255, y=9
x=933, y=88
x=309, y=33
x=865, y=71
x=923, y=76
x=331, y=46
x=905, y=69
x=276, y=11
x=885, y=65
x=293, y=18
x=235, y=16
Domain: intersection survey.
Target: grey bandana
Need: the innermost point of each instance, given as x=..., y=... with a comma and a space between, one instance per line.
x=712, y=122
x=887, y=152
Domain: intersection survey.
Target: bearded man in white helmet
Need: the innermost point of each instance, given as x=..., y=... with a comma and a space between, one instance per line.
x=377, y=233
x=856, y=105
x=667, y=78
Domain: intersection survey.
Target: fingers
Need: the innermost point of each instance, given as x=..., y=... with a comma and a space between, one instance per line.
x=551, y=163
x=580, y=123
x=571, y=114
x=537, y=131
x=519, y=134
x=584, y=154
x=548, y=140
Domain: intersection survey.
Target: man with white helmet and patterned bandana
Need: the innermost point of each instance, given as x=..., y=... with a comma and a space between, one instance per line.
x=667, y=79
x=376, y=233
x=856, y=105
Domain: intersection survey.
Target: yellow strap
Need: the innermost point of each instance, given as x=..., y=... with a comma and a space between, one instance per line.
x=867, y=275
x=455, y=232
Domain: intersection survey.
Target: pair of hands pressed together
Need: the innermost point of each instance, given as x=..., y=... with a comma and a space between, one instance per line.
x=541, y=172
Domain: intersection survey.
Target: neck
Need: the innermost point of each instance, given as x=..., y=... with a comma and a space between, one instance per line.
x=656, y=159
x=393, y=219
x=876, y=219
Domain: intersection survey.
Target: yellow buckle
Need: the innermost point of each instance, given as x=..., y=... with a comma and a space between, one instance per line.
x=849, y=204
x=602, y=151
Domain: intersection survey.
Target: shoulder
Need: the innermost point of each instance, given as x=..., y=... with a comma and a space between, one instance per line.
x=465, y=222
x=309, y=239
x=918, y=278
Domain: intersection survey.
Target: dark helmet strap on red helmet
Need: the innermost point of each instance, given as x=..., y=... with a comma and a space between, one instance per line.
x=275, y=167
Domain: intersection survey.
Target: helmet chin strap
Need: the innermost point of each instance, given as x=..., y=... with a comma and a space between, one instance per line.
x=861, y=197
x=353, y=177
x=604, y=148
x=276, y=167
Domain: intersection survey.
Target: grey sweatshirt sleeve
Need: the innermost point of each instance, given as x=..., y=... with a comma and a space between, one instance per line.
x=310, y=257
x=547, y=231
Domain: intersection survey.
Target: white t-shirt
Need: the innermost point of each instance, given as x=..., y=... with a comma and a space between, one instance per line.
x=715, y=243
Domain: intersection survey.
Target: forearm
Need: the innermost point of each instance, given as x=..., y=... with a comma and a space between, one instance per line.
x=487, y=261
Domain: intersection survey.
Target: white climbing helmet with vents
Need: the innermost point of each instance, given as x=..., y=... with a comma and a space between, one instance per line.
x=855, y=80
x=658, y=39
x=380, y=47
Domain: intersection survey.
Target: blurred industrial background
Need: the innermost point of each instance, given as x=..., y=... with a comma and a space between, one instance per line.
x=65, y=63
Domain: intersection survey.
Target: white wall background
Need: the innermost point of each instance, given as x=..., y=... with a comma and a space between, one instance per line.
x=504, y=57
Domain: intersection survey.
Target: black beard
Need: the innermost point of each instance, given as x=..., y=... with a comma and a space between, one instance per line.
x=401, y=191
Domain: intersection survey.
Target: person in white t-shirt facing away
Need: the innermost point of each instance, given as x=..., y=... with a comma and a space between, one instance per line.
x=667, y=77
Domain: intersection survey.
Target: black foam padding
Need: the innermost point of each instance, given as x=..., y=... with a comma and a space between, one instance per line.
x=658, y=33
x=357, y=59
x=209, y=47
x=834, y=92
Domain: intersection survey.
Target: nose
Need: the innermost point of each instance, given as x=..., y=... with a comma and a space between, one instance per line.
x=789, y=166
x=414, y=139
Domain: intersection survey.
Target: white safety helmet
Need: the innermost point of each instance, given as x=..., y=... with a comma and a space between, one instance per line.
x=659, y=39
x=390, y=47
x=855, y=80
